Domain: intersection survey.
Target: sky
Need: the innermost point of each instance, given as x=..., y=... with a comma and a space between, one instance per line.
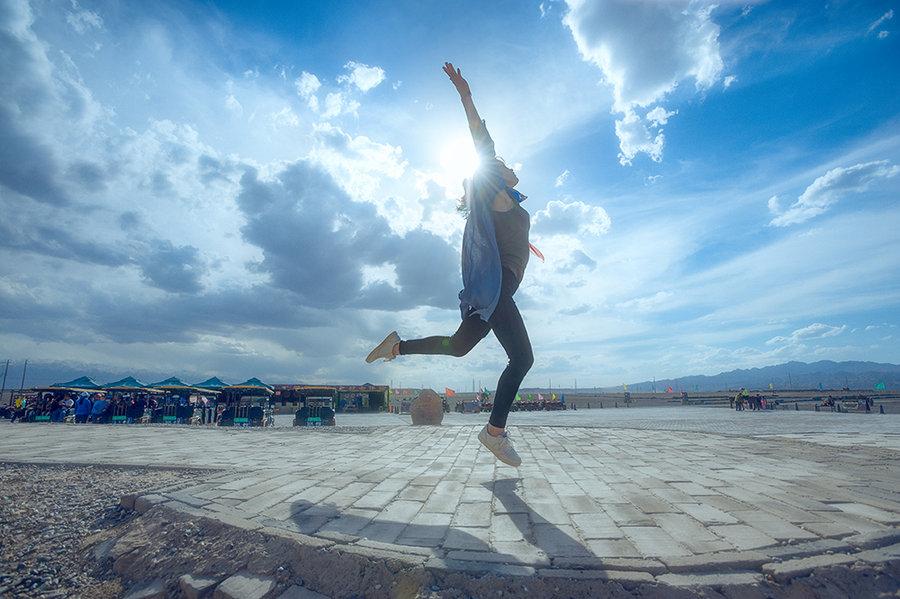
x=267, y=189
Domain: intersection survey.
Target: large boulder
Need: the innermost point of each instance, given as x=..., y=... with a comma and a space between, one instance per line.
x=427, y=408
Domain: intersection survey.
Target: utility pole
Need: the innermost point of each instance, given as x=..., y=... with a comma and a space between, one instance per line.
x=3, y=388
x=24, y=369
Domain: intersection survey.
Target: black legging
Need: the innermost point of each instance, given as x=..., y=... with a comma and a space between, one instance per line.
x=506, y=322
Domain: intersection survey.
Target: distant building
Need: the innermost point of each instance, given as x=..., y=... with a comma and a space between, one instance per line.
x=346, y=398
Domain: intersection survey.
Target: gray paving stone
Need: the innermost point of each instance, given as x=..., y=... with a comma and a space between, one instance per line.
x=650, y=566
x=612, y=548
x=244, y=586
x=787, y=570
x=653, y=541
x=724, y=561
x=611, y=575
x=437, y=563
x=869, y=512
x=716, y=580
x=596, y=526
x=779, y=529
x=474, y=539
x=296, y=592
x=196, y=587
x=743, y=536
x=473, y=514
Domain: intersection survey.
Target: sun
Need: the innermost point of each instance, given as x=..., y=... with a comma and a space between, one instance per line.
x=458, y=160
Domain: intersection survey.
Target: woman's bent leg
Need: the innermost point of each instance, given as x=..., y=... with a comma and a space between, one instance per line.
x=510, y=331
x=471, y=330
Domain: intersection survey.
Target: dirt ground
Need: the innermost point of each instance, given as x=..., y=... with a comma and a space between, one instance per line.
x=47, y=512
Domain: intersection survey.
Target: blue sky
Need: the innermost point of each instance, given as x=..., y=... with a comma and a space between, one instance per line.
x=253, y=189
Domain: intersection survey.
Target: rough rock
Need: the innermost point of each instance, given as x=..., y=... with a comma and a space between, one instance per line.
x=427, y=409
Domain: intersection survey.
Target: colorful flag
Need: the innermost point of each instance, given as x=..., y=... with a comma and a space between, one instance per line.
x=540, y=397
x=879, y=386
x=624, y=387
x=449, y=392
x=553, y=396
x=530, y=397
x=771, y=386
x=668, y=389
x=518, y=397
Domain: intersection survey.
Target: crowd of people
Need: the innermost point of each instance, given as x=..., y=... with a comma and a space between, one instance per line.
x=742, y=400
x=84, y=407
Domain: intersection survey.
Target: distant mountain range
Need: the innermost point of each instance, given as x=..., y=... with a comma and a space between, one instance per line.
x=791, y=375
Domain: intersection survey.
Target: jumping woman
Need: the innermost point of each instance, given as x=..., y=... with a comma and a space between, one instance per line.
x=494, y=255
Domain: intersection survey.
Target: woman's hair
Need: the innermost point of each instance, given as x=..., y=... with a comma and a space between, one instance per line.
x=482, y=181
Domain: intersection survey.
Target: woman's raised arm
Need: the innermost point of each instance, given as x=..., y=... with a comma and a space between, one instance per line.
x=465, y=94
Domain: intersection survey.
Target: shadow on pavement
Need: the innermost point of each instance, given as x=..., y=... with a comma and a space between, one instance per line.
x=543, y=534
x=388, y=527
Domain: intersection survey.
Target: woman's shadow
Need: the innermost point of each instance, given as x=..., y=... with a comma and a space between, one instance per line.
x=534, y=529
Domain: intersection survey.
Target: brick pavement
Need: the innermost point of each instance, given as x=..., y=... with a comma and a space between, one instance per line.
x=644, y=500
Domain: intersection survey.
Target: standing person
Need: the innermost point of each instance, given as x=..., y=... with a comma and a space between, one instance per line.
x=494, y=255
x=82, y=408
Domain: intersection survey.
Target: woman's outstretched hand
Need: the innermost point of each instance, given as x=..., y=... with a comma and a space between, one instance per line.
x=462, y=86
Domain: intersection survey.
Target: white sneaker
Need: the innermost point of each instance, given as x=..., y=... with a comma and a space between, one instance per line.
x=501, y=447
x=385, y=349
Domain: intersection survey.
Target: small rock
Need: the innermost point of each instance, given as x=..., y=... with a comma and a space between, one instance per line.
x=195, y=587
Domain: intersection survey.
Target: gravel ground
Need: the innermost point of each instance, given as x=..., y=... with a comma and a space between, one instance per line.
x=47, y=512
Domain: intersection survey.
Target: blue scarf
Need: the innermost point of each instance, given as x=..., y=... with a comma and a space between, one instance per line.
x=482, y=273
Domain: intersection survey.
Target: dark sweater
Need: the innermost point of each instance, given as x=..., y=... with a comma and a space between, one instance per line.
x=511, y=229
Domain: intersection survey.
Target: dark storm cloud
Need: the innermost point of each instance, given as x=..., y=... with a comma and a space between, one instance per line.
x=58, y=242
x=163, y=265
x=184, y=317
x=129, y=220
x=88, y=175
x=172, y=268
x=211, y=169
x=28, y=166
x=316, y=240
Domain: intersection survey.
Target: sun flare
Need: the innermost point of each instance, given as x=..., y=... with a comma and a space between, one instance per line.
x=458, y=160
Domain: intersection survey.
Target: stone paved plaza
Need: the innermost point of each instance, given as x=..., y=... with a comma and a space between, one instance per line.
x=637, y=494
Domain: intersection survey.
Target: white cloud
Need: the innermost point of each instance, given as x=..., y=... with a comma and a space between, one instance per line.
x=232, y=104
x=562, y=178
x=877, y=22
x=647, y=303
x=635, y=138
x=831, y=187
x=645, y=49
x=729, y=79
x=816, y=330
x=82, y=20
x=362, y=76
x=659, y=116
x=883, y=34
x=571, y=218
x=336, y=104
x=774, y=205
x=285, y=118
x=307, y=85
